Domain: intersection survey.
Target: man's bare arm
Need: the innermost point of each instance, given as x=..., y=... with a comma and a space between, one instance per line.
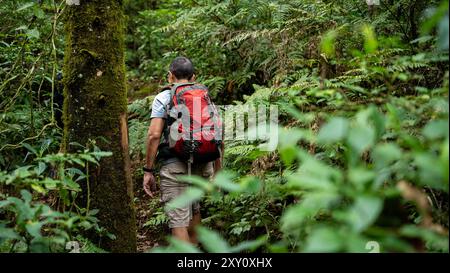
x=153, y=140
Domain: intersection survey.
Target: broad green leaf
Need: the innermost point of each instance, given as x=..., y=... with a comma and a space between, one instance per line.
x=294, y=216
x=197, y=181
x=334, y=131
x=34, y=228
x=212, y=241
x=88, y=158
x=308, y=181
x=176, y=246
x=364, y=212
x=386, y=153
x=288, y=154
x=78, y=161
x=393, y=116
x=443, y=33
x=18, y=174
x=23, y=27
x=8, y=233
x=361, y=138
x=324, y=239
x=360, y=177
x=73, y=171
x=25, y=6
x=250, y=184
x=438, y=17
x=436, y=129
x=93, y=212
x=278, y=247
x=33, y=33
x=40, y=245
x=26, y=196
x=290, y=137
x=297, y=114
x=5, y=203
x=188, y=197
x=41, y=168
x=38, y=12
x=357, y=243
x=314, y=174
x=249, y=245
x=38, y=188
x=431, y=171
x=394, y=243
x=223, y=181
x=50, y=183
x=30, y=148
x=71, y=185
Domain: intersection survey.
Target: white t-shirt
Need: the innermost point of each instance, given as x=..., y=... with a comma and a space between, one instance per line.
x=160, y=104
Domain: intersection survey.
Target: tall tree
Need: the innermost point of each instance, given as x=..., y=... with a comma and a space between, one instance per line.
x=95, y=107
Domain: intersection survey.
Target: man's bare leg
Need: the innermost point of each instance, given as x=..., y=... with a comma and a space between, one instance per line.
x=181, y=233
x=196, y=220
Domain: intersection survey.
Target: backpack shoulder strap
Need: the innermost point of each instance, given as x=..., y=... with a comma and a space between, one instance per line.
x=174, y=89
x=164, y=88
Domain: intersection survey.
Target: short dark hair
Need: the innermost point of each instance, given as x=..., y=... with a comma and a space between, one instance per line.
x=182, y=68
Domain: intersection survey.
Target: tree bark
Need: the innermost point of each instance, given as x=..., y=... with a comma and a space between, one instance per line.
x=95, y=107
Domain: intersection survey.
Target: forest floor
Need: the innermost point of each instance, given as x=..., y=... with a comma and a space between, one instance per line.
x=145, y=239
x=148, y=237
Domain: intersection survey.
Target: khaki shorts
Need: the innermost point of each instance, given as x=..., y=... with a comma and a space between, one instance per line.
x=172, y=188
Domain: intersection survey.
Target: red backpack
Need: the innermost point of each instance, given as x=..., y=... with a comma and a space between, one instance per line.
x=194, y=129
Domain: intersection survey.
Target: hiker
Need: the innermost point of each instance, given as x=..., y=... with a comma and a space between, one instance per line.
x=192, y=151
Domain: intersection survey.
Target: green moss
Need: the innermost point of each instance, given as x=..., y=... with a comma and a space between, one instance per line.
x=95, y=100
x=144, y=92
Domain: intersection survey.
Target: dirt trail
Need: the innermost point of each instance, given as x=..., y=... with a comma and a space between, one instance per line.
x=143, y=214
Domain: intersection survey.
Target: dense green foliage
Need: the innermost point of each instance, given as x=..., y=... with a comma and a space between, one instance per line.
x=364, y=103
x=362, y=159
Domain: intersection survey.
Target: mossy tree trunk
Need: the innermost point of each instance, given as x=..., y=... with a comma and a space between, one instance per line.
x=95, y=107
